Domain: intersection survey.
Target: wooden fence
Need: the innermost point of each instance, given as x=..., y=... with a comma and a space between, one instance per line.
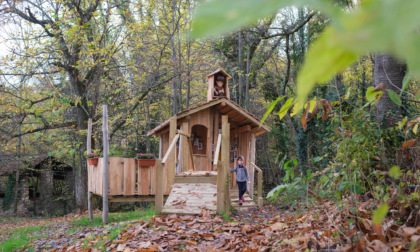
x=126, y=178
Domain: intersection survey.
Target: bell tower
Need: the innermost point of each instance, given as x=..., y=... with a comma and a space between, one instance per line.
x=218, y=85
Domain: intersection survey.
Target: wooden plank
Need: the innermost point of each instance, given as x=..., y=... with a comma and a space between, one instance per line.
x=197, y=179
x=105, y=163
x=217, y=152
x=152, y=180
x=260, y=199
x=221, y=181
x=191, y=155
x=116, y=176
x=225, y=161
x=129, y=176
x=172, y=157
x=184, y=148
x=134, y=199
x=144, y=178
x=254, y=120
x=195, y=197
x=159, y=186
x=244, y=129
x=208, y=105
x=167, y=158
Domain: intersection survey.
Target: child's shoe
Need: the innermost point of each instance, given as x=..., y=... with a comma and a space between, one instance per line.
x=240, y=202
x=243, y=199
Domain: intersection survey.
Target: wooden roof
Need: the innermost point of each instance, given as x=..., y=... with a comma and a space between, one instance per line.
x=220, y=71
x=238, y=116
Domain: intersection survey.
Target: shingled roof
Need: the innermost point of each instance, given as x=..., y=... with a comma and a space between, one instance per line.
x=228, y=107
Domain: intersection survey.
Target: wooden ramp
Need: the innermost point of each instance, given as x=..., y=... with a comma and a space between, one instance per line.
x=191, y=198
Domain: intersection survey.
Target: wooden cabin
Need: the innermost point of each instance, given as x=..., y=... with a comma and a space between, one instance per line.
x=194, y=140
x=203, y=124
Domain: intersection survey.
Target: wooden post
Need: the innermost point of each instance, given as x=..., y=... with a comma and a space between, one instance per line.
x=160, y=146
x=105, y=165
x=260, y=198
x=159, y=186
x=184, y=148
x=251, y=167
x=89, y=151
x=225, y=159
x=221, y=185
x=171, y=164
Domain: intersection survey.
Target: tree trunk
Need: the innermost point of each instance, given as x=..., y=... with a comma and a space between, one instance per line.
x=389, y=71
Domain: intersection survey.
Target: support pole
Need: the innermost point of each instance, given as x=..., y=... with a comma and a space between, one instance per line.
x=89, y=151
x=159, y=186
x=225, y=160
x=105, y=165
x=221, y=185
x=260, y=198
x=251, y=167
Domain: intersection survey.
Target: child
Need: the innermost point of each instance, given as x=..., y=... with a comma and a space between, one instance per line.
x=219, y=89
x=241, y=178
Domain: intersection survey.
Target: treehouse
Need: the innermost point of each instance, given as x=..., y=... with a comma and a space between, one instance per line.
x=198, y=147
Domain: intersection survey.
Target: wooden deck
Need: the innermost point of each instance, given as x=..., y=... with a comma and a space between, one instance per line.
x=191, y=198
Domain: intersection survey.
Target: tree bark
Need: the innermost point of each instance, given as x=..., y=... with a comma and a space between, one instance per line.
x=391, y=72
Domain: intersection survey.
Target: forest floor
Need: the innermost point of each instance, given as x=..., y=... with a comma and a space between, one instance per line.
x=320, y=226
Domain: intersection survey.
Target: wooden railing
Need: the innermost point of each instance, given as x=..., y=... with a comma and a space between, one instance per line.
x=216, y=153
x=160, y=163
x=259, y=186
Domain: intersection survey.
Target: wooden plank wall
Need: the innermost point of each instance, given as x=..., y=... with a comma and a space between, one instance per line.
x=201, y=118
x=125, y=178
x=129, y=174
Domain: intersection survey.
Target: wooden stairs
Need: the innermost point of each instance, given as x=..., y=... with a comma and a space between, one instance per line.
x=234, y=198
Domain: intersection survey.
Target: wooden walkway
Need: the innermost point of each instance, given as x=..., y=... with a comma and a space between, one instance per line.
x=195, y=191
x=192, y=192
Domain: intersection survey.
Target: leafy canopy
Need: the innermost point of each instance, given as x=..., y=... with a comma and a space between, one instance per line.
x=376, y=25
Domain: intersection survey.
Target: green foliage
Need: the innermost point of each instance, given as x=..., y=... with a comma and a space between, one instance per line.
x=394, y=172
x=386, y=26
x=290, y=189
x=394, y=97
x=10, y=194
x=115, y=217
x=380, y=214
x=21, y=237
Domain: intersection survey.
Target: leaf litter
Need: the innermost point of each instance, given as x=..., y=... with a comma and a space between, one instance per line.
x=321, y=227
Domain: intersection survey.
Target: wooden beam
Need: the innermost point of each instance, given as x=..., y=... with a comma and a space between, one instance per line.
x=105, y=174
x=172, y=157
x=221, y=185
x=250, y=117
x=191, y=154
x=183, y=133
x=244, y=129
x=160, y=146
x=196, y=179
x=168, y=152
x=208, y=105
x=89, y=151
x=159, y=186
x=259, y=186
x=135, y=199
x=184, y=149
x=225, y=159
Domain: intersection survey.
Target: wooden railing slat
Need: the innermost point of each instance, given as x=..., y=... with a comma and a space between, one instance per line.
x=165, y=158
x=216, y=153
